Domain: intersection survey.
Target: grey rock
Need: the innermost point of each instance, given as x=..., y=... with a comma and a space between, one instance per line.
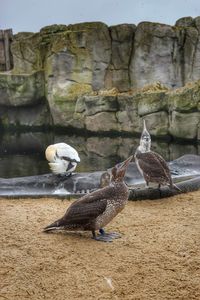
x=186, y=99
x=197, y=23
x=149, y=103
x=185, y=22
x=122, y=47
x=118, y=78
x=102, y=122
x=27, y=51
x=177, y=151
x=96, y=104
x=155, y=56
x=21, y=90
x=127, y=115
x=31, y=117
x=79, y=61
x=191, y=55
x=184, y=125
x=158, y=124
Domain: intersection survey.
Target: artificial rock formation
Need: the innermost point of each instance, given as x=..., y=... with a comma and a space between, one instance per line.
x=93, y=77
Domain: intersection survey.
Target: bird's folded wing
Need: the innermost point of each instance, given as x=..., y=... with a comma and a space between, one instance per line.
x=103, y=193
x=82, y=212
x=148, y=163
x=162, y=163
x=68, y=153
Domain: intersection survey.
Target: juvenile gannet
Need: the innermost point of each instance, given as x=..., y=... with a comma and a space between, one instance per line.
x=151, y=165
x=95, y=210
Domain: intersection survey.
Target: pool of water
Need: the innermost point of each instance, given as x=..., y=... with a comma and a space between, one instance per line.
x=23, y=154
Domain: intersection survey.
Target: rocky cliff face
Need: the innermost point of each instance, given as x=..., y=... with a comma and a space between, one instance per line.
x=63, y=75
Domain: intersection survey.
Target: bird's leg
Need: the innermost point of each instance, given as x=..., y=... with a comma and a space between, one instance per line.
x=94, y=234
x=68, y=174
x=147, y=185
x=159, y=188
x=64, y=175
x=105, y=237
x=102, y=231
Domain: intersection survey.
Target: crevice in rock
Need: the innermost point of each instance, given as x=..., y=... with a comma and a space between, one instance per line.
x=182, y=55
x=131, y=57
x=195, y=51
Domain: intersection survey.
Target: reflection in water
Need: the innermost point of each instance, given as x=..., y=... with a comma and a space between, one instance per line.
x=23, y=154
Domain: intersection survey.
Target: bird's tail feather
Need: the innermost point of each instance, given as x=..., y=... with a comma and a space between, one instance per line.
x=56, y=225
x=176, y=187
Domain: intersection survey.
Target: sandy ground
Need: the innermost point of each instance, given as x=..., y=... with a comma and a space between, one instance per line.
x=158, y=256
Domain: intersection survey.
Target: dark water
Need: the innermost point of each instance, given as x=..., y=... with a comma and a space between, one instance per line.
x=23, y=154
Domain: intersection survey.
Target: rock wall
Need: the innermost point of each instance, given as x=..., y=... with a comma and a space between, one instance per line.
x=167, y=112
x=5, y=54
x=90, y=76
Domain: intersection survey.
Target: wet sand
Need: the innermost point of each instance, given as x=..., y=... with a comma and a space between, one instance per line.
x=158, y=256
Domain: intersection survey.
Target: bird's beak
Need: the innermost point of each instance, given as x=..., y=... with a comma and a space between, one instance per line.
x=126, y=162
x=144, y=125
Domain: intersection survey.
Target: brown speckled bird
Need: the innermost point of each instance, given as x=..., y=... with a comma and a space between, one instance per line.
x=151, y=165
x=94, y=211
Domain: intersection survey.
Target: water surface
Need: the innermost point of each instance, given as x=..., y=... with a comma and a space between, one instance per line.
x=23, y=154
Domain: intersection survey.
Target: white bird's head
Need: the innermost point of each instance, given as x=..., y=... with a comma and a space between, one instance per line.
x=50, y=153
x=145, y=139
x=62, y=158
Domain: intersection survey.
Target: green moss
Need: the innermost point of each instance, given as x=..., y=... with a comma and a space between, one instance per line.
x=151, y=102
x=26, y=54
x=87, y=26
x=53, y=29
x=161, y=131
x=5, y=123
x=78, y=89
x=185, y=98
x=23, y=35
x=72, y=93
x=30, y=50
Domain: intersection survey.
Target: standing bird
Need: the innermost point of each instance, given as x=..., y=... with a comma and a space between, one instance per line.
x=151, y=165
x=62, y=158
x=95, y=210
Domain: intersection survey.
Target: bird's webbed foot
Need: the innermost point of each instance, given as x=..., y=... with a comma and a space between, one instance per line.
x=106, y=237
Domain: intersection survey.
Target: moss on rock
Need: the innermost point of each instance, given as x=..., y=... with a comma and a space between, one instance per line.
x=185, y=99
x=21, y=90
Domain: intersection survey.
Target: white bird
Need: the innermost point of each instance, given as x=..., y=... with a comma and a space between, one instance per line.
x=62, y=158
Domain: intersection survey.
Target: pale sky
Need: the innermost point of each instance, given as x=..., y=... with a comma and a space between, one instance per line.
x=32, y=15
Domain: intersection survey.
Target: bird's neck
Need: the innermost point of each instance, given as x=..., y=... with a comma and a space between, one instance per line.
x=143, y=149
x=118, y=184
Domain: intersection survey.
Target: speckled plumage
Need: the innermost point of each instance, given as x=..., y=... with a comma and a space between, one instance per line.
x=151, y=165
x=153, y=168
x=97, y=209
